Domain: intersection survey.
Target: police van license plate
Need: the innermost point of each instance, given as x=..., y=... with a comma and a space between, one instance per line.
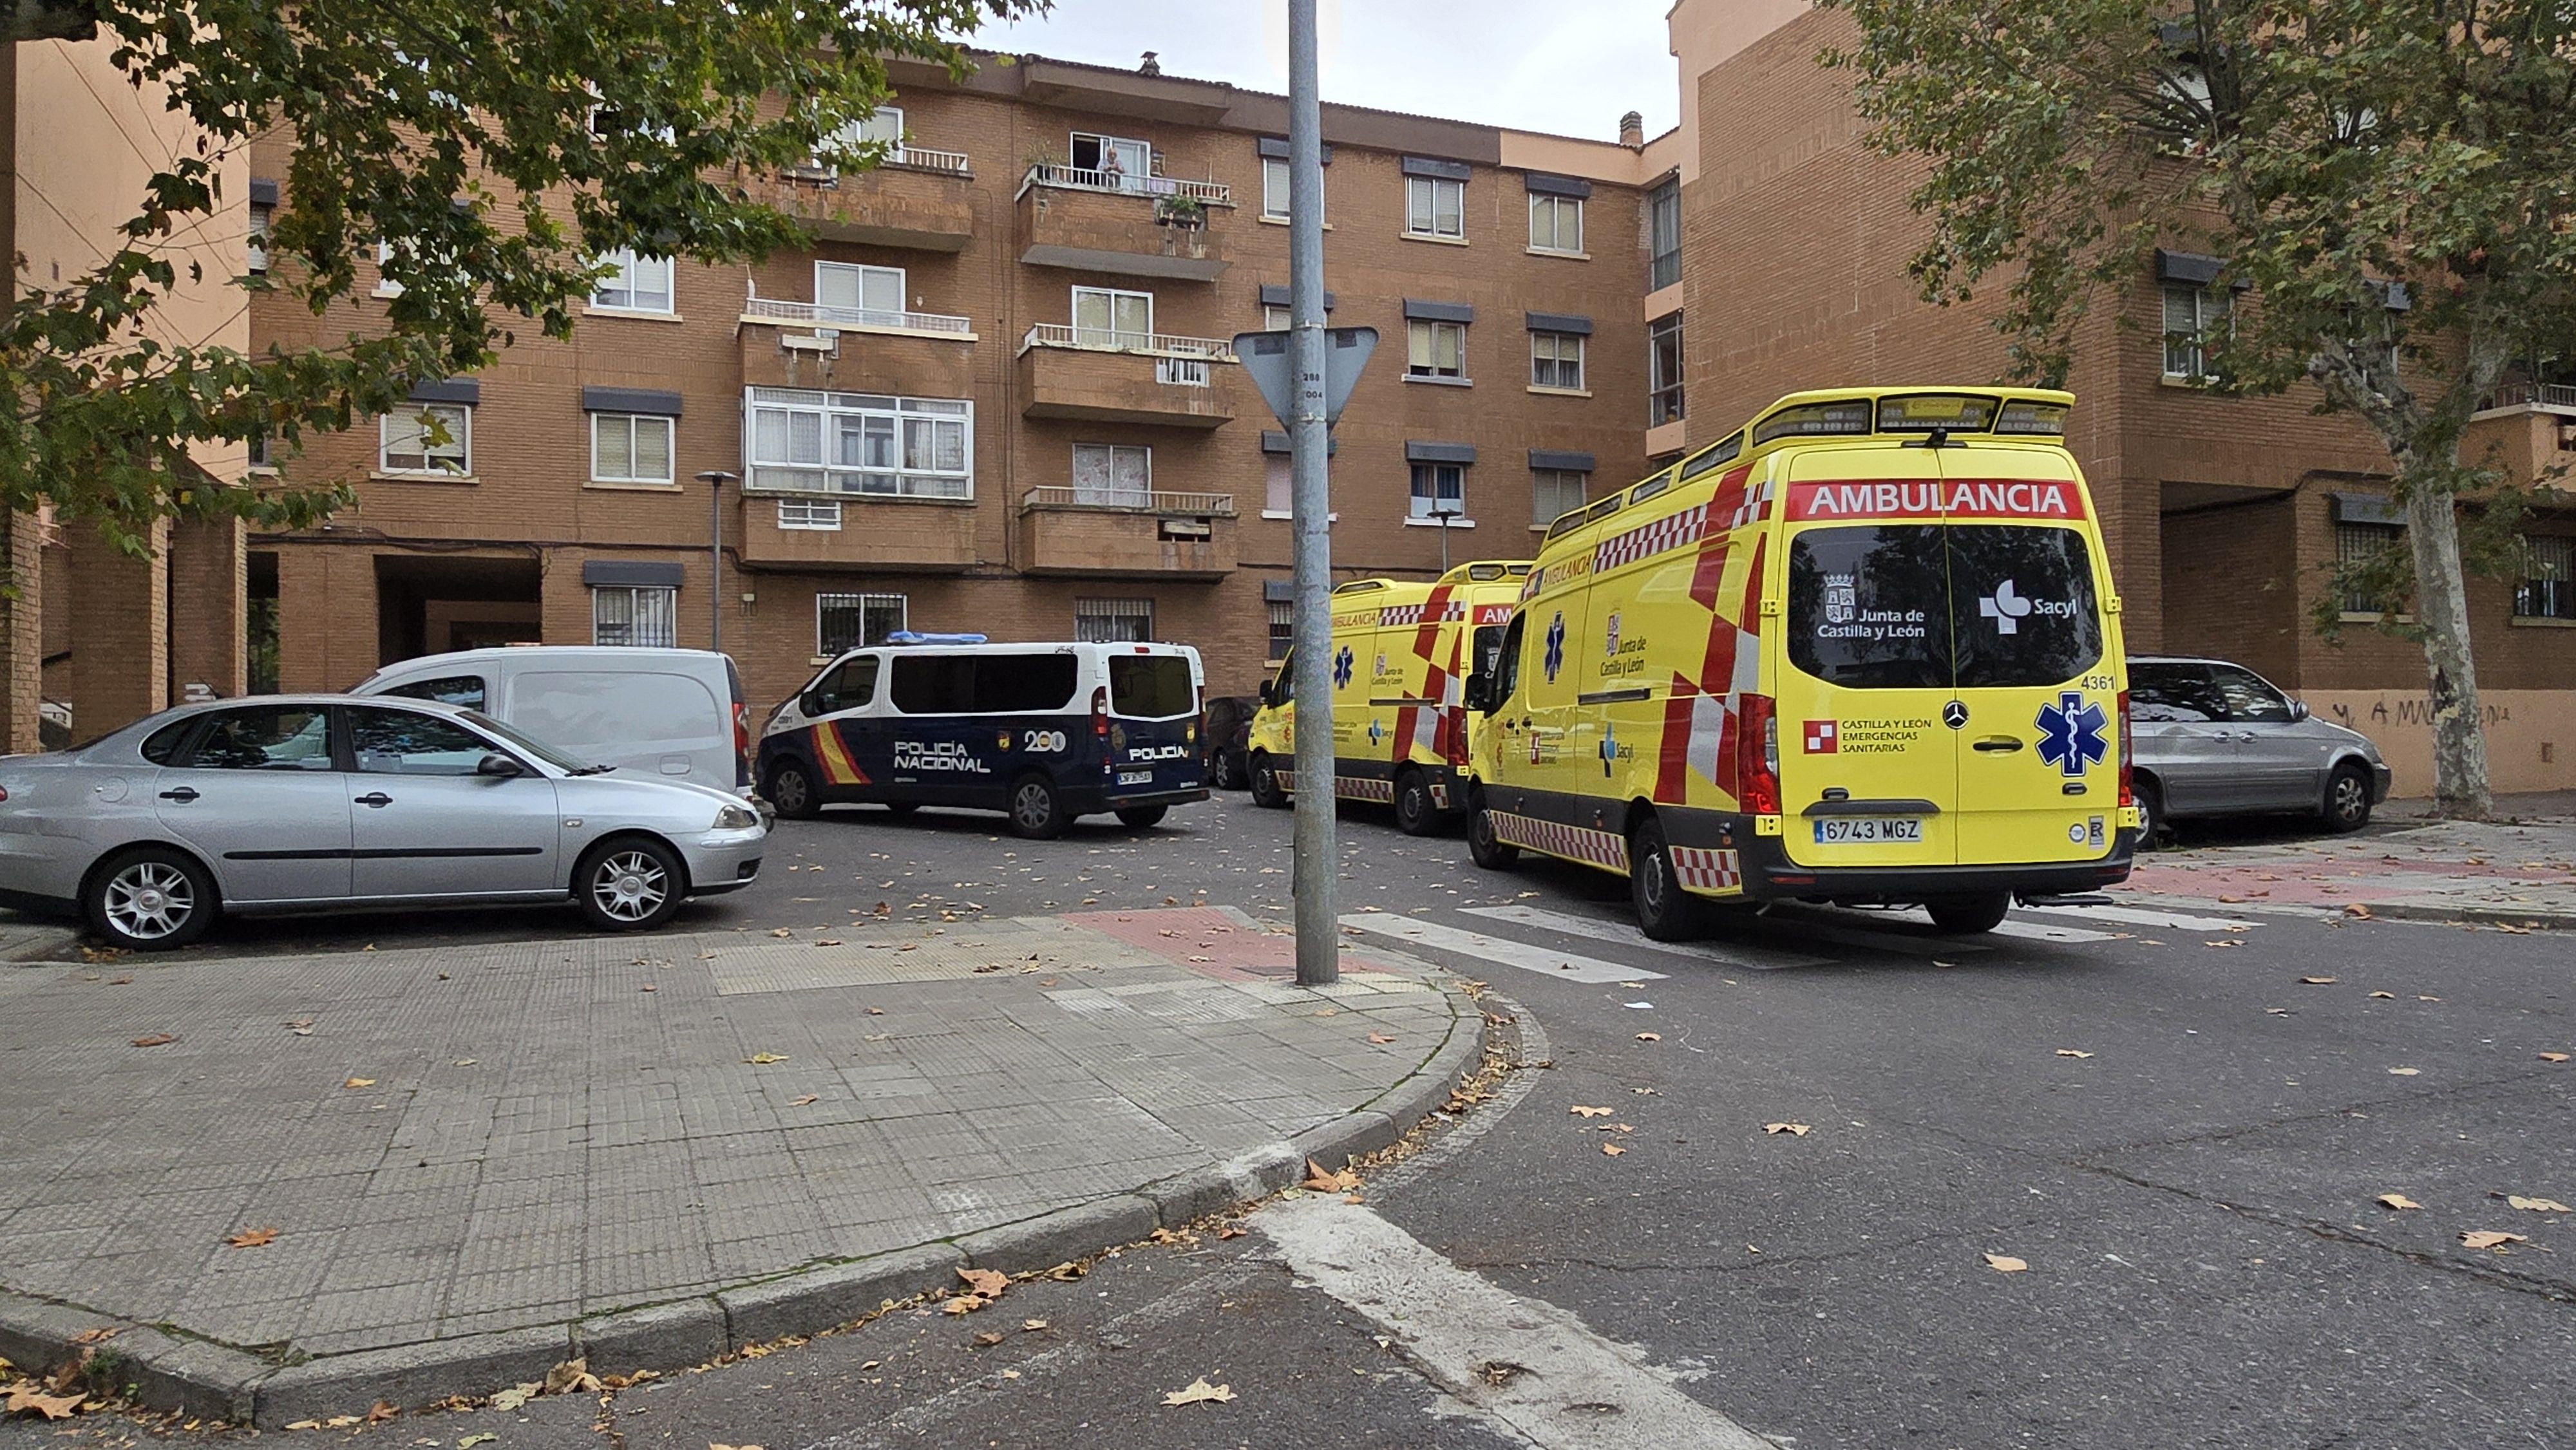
x=1135, y=777
x=1862, y=830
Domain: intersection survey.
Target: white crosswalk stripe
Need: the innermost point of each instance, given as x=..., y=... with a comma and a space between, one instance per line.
x=1627, y=934
x=1501, y=951
x=2144, y=916
x=2026, y=930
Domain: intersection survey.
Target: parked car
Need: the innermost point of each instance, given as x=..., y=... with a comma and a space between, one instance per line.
x=1229, y=730
x=313, y=802
x=677, y=714
x=2214, y=738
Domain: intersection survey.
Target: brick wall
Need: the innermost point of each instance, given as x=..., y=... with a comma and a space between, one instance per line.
x=22, y=632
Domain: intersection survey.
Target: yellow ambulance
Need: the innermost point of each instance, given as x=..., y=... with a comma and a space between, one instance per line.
x=1402, y=655
x=1865, y=650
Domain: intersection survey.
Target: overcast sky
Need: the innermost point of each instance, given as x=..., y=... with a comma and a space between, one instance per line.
x=1540, y=65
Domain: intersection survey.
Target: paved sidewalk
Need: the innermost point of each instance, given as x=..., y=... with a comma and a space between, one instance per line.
x=2519, y=875
x=478, y=1162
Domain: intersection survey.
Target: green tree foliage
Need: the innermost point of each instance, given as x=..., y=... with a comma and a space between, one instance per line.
x=497, y=149
x=2329, y=150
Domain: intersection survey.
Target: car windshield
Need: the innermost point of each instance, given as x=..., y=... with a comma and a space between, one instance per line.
x=527, y=744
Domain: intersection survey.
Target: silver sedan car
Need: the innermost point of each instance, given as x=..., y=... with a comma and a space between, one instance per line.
x=2216, y=739
x=311, y=802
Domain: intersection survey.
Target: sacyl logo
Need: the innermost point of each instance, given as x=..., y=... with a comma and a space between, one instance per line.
x=2005, y=607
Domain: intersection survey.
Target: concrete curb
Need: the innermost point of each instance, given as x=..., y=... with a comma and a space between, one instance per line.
x=2479, y=915
x=169, y=1372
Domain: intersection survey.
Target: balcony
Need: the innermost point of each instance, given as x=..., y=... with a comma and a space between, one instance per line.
x=789, y=344
x=875, y=533
x=2527, y=429
x=1109, y=534
x=1101, y=377
x=1145, y=226
x=916, y=198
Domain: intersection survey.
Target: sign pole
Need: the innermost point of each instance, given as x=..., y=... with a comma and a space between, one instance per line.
x=1316, y=857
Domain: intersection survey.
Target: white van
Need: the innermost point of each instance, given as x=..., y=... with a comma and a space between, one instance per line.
x=671, y=714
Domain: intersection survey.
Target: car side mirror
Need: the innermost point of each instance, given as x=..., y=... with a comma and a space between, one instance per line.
x=499, y=767
x=2298, y=711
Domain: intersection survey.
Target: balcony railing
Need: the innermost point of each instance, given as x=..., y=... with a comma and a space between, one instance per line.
x=1083, y=178
x=2531, y=395
x=823, y=314
x=1138, y=500
x=1103, y=339
x=899, y=158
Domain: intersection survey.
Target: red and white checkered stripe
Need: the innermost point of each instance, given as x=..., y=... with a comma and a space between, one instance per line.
x=1359, y=788
x=1670, y=532
x=1701, y=869
x=1396, y=616
x=1755, y=508
x=1574, y=843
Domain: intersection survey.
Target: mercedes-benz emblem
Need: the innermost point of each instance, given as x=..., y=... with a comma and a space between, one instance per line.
x=1955, y=715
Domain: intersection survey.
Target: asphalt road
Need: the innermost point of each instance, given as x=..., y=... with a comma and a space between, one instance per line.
x=2182, y=1141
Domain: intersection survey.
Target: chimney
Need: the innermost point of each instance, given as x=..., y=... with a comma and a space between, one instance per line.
x=1152, y=65
x=1632, y=130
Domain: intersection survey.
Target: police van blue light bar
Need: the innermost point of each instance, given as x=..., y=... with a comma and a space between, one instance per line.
x=908, y=636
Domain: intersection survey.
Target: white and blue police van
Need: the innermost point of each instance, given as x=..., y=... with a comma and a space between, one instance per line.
x=1043, y=733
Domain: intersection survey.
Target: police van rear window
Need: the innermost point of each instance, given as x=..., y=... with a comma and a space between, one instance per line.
x=983, y=684
x=1151, y=687
x=1924, y=606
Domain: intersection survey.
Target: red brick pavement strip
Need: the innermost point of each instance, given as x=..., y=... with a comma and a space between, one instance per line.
x=1209, y=941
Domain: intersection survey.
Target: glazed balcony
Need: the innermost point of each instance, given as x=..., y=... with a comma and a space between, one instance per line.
x=787, y=344
x=917, y=198
x=1148, y=226
x=1111, y=533
x=1120, y=377
x=874, y=533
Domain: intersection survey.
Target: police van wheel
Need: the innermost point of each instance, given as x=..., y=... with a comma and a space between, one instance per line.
x=1414, y=813
x=1137, y=818
x=1265, y=785
x=1483, y=846
x=1035, y=812
x=1664, y=909
x=792, y=791
x=1967, y=915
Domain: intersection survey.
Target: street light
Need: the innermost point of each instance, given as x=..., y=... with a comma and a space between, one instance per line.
x=1445, y=509
x=715, y=479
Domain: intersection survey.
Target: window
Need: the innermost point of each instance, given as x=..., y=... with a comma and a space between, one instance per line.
x=398, y=742
x=434, y=438
x=2192, y=314
x=266, y=737
x=638, y=284
x=1279, y=484
x=1556, y=360
x=1555, y=492
x=257, y=449
x=1275, y=319
x=1435, y=349
x=1556, y=223
x=644, y=616
x=1151, y=687
x=984, y=684
x=809, y=513
x=1439, y=489
x=881, y=127
x=2248, y=697
x=630, y=448
x=1113, y=621
x=1664, y=370
x=257, y=260
x=1105, y=317
x=2548, y=587
x=856, y=443
x=386, y=286
x=855, y=621
x=846, y=686
x=1283, y=628
x=2176, y=693
x=1107, y=473
x=1664, y=235
x=1434, y=207
x=465, y=690
x=871, y=296
x=2359, y=544
x=1896, y=577
x=1274, y=188
x=1115, y=162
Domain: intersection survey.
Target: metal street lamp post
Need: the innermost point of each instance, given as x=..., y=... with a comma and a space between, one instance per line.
x=715, y=479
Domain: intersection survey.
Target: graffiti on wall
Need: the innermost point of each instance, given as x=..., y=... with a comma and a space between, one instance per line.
x=2406, y=712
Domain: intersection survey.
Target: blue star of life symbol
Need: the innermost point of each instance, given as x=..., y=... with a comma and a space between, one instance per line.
x=1376, y=732
x=2072, y=733
x=1609, y=749
x=1342, y=668
x=1555, y=646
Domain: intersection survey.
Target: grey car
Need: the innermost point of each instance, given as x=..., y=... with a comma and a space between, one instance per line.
x=312, y=802
x=2216, y=739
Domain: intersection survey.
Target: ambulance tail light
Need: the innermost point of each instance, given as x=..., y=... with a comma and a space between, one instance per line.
x=2128, y=756
x=1757, y=756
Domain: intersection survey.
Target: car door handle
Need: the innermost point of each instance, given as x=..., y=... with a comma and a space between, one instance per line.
x=375, y=798
x=1998, y=743
x=183, y=794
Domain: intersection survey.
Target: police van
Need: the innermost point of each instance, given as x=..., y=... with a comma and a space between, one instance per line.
x=1044, y=733
x=1402, y=654
x=1865, y=650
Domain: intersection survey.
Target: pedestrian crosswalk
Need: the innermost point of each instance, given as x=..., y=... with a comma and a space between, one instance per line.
x=1752, y=958
x=1501, y=951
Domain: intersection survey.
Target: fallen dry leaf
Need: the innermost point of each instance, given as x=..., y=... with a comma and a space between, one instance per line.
x=2221, y=944
x=251, y=1238
x=2385, y=996
x=120, y=981
x=157, y=1039
x=2397, y=1200
x=988, y=1282
x=2005, y=1264
x=1611, y=1150
x=764, y=1059
x=2071, y=1052
x=359, y=1082
x=1232, y=1231
x=2490, y=1239
x=962, y=1304
x=781, y=931
x=1032, y=1326
x=2406, y=1072
x=2553, y=1057
x=470, y=1441
x=2317, y=981
x=988, y=1339
x=2357, y=911
x=100, y=1335
x=516, y=1396
x=809, y=1098
x=1650, y=1037
x=1199, y=1391
x=1321, y=1180
x=381, y=1411
x=1795, y=1130
x=1581, y=1111
x=570, y=1376
x=2537, y=1205
x=1380, y=1037
x=26, y=1397
x=648, y=987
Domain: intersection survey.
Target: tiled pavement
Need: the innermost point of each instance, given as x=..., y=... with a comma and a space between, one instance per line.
x=2510, y=874
x=465, y=1140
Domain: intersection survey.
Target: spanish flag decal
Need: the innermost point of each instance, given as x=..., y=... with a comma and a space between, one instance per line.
x=838, y=767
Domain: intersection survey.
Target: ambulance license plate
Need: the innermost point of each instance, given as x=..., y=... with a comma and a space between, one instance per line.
x=1841, y=830
x=1135, y=777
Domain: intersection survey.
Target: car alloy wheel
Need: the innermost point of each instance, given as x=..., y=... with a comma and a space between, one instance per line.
x=629, y=886
x=150, y=900
x=2348, y=799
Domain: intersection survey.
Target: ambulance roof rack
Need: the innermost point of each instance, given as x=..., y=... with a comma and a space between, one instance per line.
x=908, y=636
x=1486, y=571
x=1363, y=586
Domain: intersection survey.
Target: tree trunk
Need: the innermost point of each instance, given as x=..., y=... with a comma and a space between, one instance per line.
x=2442, y=608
